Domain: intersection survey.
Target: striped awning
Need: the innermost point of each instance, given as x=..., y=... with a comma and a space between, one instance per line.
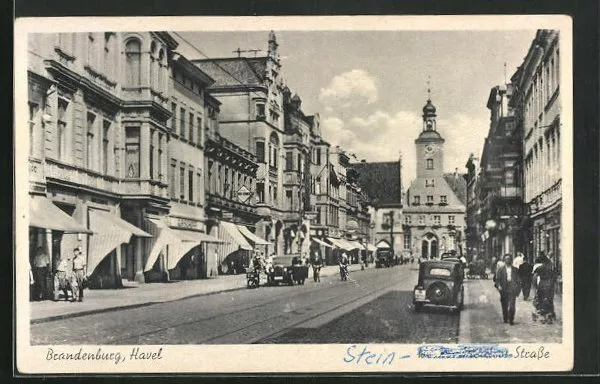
x=44, y=214
x=371, y=248
x=175, y=242
x=110, y=231
x=251, y=236
x=348, y=246
x=234, y=235
x=321, y=242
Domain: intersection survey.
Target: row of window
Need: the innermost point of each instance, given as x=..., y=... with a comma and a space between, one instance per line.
x=417, y=199
x=226, y=181
x=290, y=165
x=542, y=164
x=545, y=82
x=187, y=125
x=436, y=220
x=273, y=151
x=316, y=156
x=184, y=179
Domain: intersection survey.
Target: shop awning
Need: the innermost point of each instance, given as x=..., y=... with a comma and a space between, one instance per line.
x=110, y=231
x=116, y=220
x=371, y=248
x=321, y=242
x=179, y=243
x=357, y=244
x=336, y=243
x=251, y=236
x=44, y=214
x=231, y=234
x=346, y=244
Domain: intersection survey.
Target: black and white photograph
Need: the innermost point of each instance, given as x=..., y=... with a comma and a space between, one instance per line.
x=294, y=194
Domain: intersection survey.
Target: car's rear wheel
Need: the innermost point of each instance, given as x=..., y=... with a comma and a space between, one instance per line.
x=438, y=293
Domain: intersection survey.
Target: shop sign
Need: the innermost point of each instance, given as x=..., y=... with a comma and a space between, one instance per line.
x=227, y=215
x=181, y=222
x=243, y=194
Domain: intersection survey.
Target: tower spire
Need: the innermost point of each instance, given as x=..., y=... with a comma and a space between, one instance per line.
x=428, y=88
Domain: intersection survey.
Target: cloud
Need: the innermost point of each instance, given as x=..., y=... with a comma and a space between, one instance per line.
x=349, y=88
x=382, y=136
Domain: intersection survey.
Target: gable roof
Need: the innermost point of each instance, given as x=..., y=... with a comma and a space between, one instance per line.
x=458, y=184
x=233, y=71
x=380, y=181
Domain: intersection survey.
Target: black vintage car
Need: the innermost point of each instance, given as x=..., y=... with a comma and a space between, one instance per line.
x=384, y=258
x=440, y=284
x=287, y=269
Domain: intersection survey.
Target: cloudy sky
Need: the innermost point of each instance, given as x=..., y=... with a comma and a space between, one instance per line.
x=370, y=87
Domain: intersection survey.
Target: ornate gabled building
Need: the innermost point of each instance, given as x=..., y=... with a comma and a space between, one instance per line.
x=250, y=93
x=434, y=215
x=501, y=210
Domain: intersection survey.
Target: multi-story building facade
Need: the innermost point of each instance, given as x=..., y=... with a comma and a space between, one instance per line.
x=98, y=107
x=501, y=209
x=296, y=177
x=250, y=91
x=380, y=185
x=434, y=214
x=230, y=182
x=473, y=232
x=537, y=100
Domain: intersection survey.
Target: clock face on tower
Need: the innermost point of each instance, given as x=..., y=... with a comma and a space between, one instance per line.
x=429, y=149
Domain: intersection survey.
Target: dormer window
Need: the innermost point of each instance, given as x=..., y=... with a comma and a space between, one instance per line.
x=443, y=200
x=417, y=200
x=430, y=199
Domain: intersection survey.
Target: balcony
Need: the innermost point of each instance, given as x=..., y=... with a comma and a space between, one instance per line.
x=216, y=201
x=60, y=171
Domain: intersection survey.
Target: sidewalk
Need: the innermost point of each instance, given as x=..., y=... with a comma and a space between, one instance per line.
x=138, y=295
x=481, y=318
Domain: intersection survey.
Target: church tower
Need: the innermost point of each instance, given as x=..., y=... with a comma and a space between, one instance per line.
x=430, y=145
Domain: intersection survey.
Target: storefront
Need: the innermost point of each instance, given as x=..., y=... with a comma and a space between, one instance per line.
x=176, y=252
x=47, y=226
x=233, y=255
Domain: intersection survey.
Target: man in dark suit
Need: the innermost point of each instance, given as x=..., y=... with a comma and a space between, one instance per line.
x=507, y=282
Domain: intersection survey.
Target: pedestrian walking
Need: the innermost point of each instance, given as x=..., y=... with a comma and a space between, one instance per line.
x=544, y=279
x=525, y=271
x=41, y=261
x=79, y=273
x=519, y=259
x=506, y=281
x=62, y=278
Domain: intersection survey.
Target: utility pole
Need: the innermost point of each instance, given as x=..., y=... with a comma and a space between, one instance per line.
x=391, y=213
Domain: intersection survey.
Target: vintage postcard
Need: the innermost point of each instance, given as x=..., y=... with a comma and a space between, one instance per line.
x=294, y=194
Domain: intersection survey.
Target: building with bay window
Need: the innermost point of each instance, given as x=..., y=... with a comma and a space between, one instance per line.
x=98, y=106
x=250, y=93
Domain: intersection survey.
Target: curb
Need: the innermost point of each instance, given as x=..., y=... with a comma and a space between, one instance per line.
x=121, y=307
x=464, y=322
x=132, y=306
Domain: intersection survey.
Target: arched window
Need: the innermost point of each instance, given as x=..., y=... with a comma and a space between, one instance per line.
x=133, y=65
x=162, y=70
x=153, y=66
